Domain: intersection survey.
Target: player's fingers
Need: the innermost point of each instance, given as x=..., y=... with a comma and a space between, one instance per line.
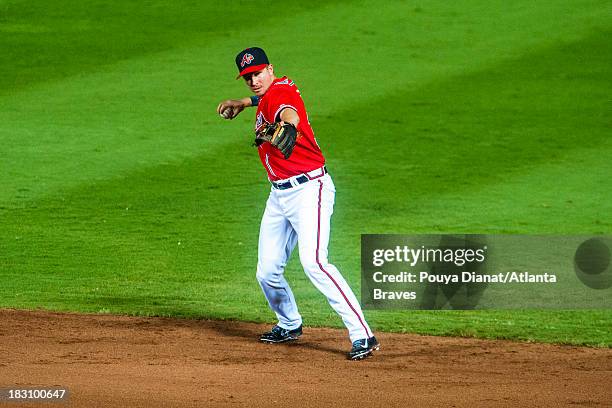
x=227, y=113
x=223, y=106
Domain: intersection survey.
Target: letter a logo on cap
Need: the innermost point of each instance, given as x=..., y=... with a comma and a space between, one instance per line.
x=246, y=59
x=250, y=60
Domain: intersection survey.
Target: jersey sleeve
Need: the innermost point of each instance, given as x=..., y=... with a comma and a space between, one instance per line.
x=285, y=97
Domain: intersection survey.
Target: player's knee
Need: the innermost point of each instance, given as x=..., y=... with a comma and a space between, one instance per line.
x=310, y=262
x=269, y=270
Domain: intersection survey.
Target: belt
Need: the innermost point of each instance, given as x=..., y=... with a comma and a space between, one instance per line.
x=299, y=179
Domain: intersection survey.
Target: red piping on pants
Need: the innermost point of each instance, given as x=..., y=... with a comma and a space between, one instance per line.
x=321, y=266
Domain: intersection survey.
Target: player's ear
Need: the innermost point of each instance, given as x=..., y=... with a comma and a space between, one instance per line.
x=271, y=69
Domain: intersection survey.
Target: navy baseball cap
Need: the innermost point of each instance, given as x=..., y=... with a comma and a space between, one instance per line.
x=251, y=60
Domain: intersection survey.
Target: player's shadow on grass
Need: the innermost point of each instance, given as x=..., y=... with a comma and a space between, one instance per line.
x=233, y=329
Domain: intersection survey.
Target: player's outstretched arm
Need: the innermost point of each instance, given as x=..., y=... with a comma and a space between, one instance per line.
x=230, y=108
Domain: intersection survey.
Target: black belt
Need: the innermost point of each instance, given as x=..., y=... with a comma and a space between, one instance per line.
x=301, y=179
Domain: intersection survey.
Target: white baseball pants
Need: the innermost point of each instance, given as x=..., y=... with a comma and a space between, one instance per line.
x=301, y=215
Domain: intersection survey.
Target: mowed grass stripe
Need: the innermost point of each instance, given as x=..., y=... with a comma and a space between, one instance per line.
x=159, y=107
x=52, y=41
x=472, y=132
x=114, y=245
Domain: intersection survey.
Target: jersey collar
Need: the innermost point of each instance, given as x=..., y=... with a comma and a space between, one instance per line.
x=274, y=83
x=278, y=80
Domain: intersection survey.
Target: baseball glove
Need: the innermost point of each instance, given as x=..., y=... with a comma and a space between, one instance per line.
x=281, y=135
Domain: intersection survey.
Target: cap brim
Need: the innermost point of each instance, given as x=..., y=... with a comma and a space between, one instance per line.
x=254, y=68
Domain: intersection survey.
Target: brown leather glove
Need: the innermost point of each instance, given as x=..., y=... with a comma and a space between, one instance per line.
x=281, y=135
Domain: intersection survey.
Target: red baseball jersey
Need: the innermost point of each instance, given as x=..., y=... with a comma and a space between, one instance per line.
x=307, y=155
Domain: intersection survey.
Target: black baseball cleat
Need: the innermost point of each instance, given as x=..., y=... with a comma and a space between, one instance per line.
x=363, y=348
x=280, y=335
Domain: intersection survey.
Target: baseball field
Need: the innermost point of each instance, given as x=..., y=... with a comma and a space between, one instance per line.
x=129, y=211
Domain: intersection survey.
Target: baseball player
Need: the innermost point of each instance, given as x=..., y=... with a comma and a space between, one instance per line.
x=299, y=206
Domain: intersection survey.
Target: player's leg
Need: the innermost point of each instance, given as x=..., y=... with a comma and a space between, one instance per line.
x=277, y=239
x=312, y=208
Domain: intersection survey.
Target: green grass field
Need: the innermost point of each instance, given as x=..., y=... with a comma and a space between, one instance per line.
x=124, y=192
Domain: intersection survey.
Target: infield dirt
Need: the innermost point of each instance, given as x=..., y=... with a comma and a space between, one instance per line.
x=107, y=360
